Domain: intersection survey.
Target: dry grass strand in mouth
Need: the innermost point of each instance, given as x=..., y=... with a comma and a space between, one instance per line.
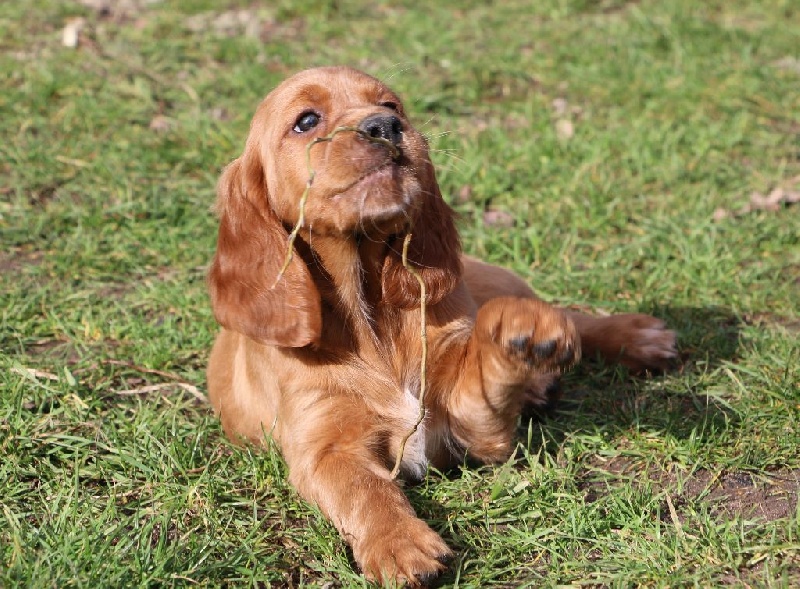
x=423, y=370
x=301, y=219
x=423, y=294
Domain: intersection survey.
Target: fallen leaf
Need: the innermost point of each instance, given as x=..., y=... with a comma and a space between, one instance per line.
x=564, y=129
x=101, y=7
x=160, y=124
x=464, y=194
x=720, y=214
x=560, y=106
x=71, y=33
x=219, y=113
x=498, y=218
x=772, y=202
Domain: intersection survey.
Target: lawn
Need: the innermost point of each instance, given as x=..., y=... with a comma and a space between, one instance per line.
x=621, y=156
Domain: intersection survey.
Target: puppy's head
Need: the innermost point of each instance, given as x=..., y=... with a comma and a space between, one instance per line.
x=364, y=181
x=343, y=137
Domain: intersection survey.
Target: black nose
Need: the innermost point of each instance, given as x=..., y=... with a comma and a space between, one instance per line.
x=387, y=127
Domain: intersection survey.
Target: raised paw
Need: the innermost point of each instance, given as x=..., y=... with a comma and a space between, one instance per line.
x=408, y=552
x=542, y=391
x=534, y=333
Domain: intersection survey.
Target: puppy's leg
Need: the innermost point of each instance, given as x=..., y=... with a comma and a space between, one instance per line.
x=514, y=342
x=640, y=342
x=333, y=462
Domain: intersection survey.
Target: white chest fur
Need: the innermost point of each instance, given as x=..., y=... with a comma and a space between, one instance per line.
x=415, y=461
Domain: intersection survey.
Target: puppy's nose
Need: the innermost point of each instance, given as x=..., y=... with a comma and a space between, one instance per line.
x=387, y=127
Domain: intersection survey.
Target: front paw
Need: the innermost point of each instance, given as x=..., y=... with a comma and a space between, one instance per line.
x=405, y=552
x=534, y=334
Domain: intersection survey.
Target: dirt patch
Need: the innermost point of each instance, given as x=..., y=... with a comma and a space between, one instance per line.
x=790, y=324
x=252, y=22
x=766, y=496
x=17, y=258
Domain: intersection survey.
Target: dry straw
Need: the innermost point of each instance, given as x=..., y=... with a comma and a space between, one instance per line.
x=423, y=367
x=423, y=295
x=301, y=219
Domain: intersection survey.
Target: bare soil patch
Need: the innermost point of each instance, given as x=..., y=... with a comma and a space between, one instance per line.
x=766, y=496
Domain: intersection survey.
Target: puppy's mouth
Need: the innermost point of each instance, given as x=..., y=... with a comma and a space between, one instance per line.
x=379, y=173
x=379, y=200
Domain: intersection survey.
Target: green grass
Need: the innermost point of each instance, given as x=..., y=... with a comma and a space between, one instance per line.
x=678, y=108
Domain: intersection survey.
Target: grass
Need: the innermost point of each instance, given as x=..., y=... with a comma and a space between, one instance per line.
x=109, y=158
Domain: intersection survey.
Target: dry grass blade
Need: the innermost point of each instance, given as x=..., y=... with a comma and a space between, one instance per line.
x=163, y=387
x=33, y=373
x=290, y=254
x=301, y=219
x=423, y=370
x=142, y=369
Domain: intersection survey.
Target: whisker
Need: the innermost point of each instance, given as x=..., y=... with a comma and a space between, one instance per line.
x=397, y=68
x=429, y=121
x=441, y=133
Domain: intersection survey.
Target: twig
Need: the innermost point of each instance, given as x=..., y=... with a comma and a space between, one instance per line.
x=301, y=219
x=673, y=514
x=423, y=319
x=34, y=373
x=157, y=388
x=190, y=388
x=143, y=369
x=423, y=371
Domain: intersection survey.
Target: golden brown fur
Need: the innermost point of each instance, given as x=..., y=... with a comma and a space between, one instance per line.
x=326, y=360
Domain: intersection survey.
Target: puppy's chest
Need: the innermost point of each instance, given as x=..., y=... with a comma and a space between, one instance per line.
x=406, y=360
x=415, y=459
x=390, y=372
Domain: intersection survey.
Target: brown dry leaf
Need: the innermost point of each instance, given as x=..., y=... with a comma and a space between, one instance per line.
x=498, y=218
x=560, y=106
x=160, y=124
x=564, y=129
x=219, y=113
x=772, y=202
x=720, y=214
x=464, y=194
x=70, y=35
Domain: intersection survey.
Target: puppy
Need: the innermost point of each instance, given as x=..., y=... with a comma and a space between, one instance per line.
x=323, y=354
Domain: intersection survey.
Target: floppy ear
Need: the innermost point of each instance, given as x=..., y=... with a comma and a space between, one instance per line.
x=434, y=251
x=251, y=248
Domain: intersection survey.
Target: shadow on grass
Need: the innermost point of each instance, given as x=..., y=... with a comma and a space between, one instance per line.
x=607, y=399
x=705, y=334
x=597, y=396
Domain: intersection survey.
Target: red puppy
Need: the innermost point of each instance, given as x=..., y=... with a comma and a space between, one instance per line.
x=325, y=358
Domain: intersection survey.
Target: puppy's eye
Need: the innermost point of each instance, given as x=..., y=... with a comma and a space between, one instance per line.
x=305, y=122
x=393, y=105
